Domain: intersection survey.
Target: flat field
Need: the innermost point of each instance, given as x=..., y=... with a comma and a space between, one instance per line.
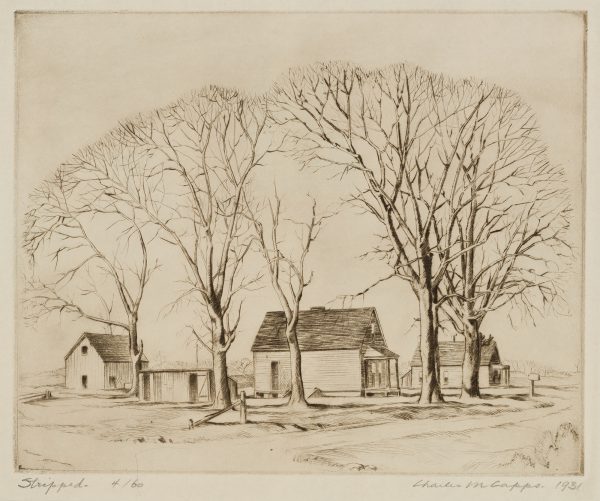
x=505, y=432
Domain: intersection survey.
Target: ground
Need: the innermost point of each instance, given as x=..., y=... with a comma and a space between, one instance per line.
x=505, y=432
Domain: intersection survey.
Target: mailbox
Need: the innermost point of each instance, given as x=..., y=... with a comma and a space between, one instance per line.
x=534, y=377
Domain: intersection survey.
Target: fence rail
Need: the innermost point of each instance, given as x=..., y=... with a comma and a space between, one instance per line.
x=28, y=397
x=243, y=412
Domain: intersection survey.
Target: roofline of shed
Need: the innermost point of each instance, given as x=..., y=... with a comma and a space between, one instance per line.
x=176, y=370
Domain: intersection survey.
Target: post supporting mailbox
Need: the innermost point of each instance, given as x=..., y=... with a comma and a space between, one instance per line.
x=533, y=377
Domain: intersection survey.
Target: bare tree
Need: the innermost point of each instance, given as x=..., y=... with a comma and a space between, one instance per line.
x=515, y=227
x=188, y=167
x=243, y=366
x=289, y=279
x=61, y=225
x=401, y=134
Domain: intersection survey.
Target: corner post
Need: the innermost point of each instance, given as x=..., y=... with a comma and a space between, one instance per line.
x=242, y=407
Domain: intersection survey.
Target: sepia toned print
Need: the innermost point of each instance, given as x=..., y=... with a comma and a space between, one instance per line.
x=346, y=259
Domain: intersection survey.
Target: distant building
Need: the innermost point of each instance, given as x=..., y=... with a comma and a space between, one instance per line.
x=99, y=362
x=344, y=352
x=491, y=370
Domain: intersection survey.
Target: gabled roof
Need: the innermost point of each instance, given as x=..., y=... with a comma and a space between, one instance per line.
x=322, y=329
x=109, y=347
x=379, y=351
x=452, y=353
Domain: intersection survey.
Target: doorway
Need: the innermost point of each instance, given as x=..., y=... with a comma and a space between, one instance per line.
x=84, y=382
x=146, y=383
x=112, y=382
x=193, y=387
x=275, y=376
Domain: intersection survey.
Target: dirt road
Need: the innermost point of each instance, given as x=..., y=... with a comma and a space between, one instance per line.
x=477, y=444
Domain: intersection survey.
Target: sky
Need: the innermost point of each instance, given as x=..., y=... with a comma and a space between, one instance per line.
x=78, y=75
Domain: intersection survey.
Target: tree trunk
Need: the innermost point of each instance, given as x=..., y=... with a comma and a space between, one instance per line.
x=297, y=397
x=136, y=359
x=222, y=396
x=430, y=386
x=471, y=361
x=472, y=355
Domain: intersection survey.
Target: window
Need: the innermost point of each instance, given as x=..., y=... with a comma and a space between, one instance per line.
x=420, y=376
x=84, y=350
x=445, y=378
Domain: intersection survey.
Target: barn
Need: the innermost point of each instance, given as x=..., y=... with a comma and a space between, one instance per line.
x=491, y=370
x=99, y=362
x=344, y=352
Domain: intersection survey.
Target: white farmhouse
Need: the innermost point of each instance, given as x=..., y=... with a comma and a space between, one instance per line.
x=343, y=353
x=492, y=372
x=99, y=362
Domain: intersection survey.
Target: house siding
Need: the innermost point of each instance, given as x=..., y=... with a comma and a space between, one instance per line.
x=332, y=371
x=484, y=376
x=262, y=370
x=416, y=373
x=90, y=365
x=121, y=371
x=451, y=376
x=454, y=374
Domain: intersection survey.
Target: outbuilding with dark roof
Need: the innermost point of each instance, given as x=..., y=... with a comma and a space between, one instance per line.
x=343, y=351
x=99, y=361
x=491, y=370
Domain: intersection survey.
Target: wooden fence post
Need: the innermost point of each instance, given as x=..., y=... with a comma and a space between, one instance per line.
x=243, y=407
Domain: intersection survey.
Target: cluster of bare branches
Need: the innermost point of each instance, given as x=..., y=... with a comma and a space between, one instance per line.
x=288, y=276
x=62, y=231
x=468, y=209
x=193, y=162
x=426, y=153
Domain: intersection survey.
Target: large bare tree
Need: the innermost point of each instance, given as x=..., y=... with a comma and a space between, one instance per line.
x=515, y=229
x=86, y=240
x=401, y=134
x=286, y=270
x=189, y=167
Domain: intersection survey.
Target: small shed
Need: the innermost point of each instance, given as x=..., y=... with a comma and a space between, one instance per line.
x=492, y=372
x=180, y=385
x=176, y=385
x=99, y=362
x=344, y=352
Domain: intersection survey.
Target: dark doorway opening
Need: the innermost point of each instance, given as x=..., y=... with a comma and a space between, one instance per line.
x=146, y=382
x=84, y=381
x=274, y=376
x=193, y=387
